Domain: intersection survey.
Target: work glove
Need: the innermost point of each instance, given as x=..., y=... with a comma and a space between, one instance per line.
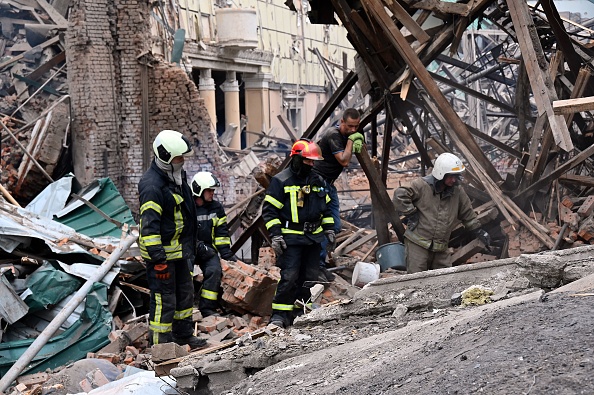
x=357, y=146
x=229, y=256
x=162, y=271
x=357, y=137
x=204, y=252
x=483, y=237
x=412, y=220
x=331, y=236
x=278, y=245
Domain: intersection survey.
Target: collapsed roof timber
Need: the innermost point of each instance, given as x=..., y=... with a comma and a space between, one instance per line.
x=503, y=84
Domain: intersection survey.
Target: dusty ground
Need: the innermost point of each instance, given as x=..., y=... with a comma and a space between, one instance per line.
x=526, y=344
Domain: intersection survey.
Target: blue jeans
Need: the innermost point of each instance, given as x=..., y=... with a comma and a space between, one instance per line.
x=335, y=212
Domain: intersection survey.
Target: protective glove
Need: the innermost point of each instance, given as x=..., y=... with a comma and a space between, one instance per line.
x=357, y=137
x=412, y=220
x=278, y=245
x=484, y=238
x=162, y=271
x=229, y=256
x=331, y=236
x=204, y=252
x=357, y=146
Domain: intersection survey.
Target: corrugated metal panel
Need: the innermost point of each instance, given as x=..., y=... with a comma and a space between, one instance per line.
x=85, y=220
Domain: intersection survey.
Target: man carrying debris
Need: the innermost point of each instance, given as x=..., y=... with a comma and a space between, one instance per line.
x=213, y=237
x=338, y=144
x=298, y=218
x=168, y=240
x=432, y=206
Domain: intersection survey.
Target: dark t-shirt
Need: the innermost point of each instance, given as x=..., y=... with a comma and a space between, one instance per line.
x=332, y=142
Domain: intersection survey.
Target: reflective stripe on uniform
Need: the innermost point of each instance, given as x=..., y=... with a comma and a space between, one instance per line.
x=182, y=314
x=292, y=191
x=210, y=295
x=273, y=201
x=282, y=307
x=272, y=222
x=156, y=325
x=327, y=220
x=300, y=232
x=150, y=205
x=218, y=241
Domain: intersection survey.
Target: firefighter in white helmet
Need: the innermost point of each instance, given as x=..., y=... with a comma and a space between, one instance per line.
x=168, y=241
x=213, y=239
x=432, y=206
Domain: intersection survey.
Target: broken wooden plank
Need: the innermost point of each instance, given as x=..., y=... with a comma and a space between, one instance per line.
x=571, y=106
x=442, y=7
x=462, y=254
x=55, y=15
x=537, y=67
x=407, y=20
x=17, y=58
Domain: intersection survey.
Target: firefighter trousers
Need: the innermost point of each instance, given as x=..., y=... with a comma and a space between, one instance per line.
x=419, y=259
x=300, y=268
x=209, y=293
x=171, y=304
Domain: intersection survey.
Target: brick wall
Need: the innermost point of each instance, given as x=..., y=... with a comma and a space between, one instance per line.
x=104, y=41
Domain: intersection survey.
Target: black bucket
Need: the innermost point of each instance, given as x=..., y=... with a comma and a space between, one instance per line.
x=391, y=256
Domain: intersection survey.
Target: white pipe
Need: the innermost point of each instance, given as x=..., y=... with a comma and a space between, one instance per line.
x=77, y=299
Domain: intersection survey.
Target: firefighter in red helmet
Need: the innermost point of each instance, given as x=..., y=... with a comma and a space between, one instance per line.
x=298, y=218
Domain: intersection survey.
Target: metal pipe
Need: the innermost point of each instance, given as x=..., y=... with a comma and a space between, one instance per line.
x=77, y=299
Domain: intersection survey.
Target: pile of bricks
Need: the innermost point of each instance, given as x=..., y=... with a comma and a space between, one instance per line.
x=576, y=221
x=250, y=288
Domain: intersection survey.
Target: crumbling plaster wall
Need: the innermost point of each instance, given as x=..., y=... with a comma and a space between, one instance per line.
x=104, y=41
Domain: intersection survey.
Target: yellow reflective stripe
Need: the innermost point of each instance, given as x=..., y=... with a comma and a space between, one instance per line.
x=222, y=220
x=273, y=201
x=328, y=199
x=327, y=220
x=181, y=314
x=158, y=327
x=178, y=198
x=294, y=212
x=272, y=222
x=293, y=232
x=158, y=309
x=150, y=240
x=318, y=230
x=210, y=295
x=150, y=205
x=222, y=241
x=292, y=188
x=283, y=307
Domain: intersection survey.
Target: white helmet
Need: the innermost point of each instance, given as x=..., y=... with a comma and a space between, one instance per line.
x=170, y=144
x=204, y=180
x=447, y=163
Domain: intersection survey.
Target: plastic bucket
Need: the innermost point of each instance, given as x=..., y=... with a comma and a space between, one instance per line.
x=391, y=256
x=364, y=273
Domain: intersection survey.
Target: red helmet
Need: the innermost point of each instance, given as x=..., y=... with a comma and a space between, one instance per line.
x=307, y=149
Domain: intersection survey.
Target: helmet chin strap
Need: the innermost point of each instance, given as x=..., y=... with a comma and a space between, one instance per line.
x=173, y=171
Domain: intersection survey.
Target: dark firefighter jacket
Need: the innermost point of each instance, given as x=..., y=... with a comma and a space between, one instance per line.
x=167, y=218
x=212, y=227
x=297, y=208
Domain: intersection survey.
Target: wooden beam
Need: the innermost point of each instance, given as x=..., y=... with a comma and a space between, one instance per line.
x=462, y=254
x=17, y=58
x=464, y=141
x=537, y=67
x=442, y=6
x=407, y=20
x=376, y=185
x=564, y=168
x=571, y=106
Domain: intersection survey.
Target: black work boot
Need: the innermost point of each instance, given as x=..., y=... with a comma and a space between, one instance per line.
x=327, y=274
x=208, y=307
x=279, y=320
x=192, y=341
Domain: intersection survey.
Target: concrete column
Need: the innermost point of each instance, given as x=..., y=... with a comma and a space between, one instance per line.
x=206, y=86
x=257, y=105
x=232, y=116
